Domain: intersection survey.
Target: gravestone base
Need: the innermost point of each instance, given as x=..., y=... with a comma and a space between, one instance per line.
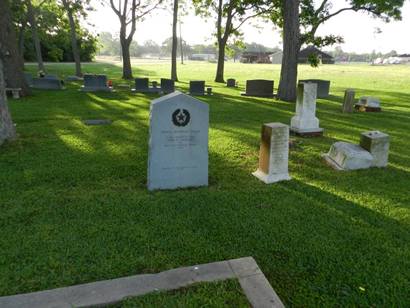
x=367, y=108
x=200, y=94
x=74, y=78
x=258, y=95
x=348, y=156
x=96, y=89
x=317, y=132
x=147, y=91
x=270, y=179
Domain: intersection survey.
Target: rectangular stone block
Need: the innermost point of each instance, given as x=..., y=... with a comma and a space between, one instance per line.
x=47, y=84
x=178, y=144
x=349, y=101
x=259, y=88
x=167, y=85
x=348, y=156
x=323, y=86
x=95, y=83
x=274, y=153
x=378, y=144
x=197, y=87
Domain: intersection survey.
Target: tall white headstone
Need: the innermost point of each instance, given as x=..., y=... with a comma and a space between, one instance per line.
x=305, y=122
x=178, y=144
x=274, y=153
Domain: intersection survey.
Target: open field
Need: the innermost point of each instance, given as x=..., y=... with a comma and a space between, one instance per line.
x=75, y=208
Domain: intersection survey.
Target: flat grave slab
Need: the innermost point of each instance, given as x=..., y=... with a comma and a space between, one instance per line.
x=45, y=83
x=108, y=292
x=348, y=156
x=95, y=122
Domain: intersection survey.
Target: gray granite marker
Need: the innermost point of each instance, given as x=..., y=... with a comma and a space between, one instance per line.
x=377, y=143
x=178, y=144
x=349, y=101
x=323, y=86
x=259, y=88
x=274, y=153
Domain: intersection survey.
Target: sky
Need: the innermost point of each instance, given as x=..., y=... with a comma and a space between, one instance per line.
x=358, y=29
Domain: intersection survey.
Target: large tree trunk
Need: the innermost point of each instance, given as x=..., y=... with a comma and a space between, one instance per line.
x=174, y=43
x=13, y=62
x=74, y=45
x=21, y=38
x=181, y=44
x=126, y=58
x=7, y=130
x=33, y=23
x=221, y=61
x=291, y=48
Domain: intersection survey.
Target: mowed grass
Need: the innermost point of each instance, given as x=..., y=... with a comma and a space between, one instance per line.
x=216, y=294
x=75, y=208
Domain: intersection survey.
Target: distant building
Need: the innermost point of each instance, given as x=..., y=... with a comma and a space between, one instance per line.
x=256, y=57
x=202, y=57
x=405, y=58
x=311, y=50
x=276, y=57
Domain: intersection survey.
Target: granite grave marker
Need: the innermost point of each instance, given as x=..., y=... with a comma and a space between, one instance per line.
x=259, y=88
x=178, y=142
x=323, y=87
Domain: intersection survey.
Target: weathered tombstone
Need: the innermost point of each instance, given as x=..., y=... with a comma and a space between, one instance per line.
x=47, y=84
x=231, y=83
x=197, y=87
x=305, y=122
x=348, y=156
x=141, y=85
x=178, y=142
x=29, y=78
x=349, y=101
x=274, y=153
x=167, y=85
x=259, y=88
x=323, y=87
x=368, y=104
x=93, y=83
x=378, y=144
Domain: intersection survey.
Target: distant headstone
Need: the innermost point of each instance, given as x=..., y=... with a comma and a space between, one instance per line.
x=167, y=85
x=178, y=142
x=347, y=156
x=50, y=76
x=231, y=83
x=97, y=122
x=378, y=144
x=349, y=101
x=29, y=79
x=323, y=87
x=47, y=83
x=94, y=83
x=274, y=153
x=305, y=122
x=259, y=88
x=197, y=87
x=368, y=104
x=208, y=91
x=141, y=85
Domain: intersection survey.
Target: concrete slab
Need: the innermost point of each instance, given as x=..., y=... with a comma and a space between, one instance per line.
x=255, y=286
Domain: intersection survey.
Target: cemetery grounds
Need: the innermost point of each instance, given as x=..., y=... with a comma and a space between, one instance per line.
x=75, y=207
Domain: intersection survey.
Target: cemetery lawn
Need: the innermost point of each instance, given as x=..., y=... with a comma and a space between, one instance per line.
x=75, y=208
x=216, y=294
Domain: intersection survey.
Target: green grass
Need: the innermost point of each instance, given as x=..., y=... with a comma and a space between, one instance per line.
x=75, y=208
x=217, y=294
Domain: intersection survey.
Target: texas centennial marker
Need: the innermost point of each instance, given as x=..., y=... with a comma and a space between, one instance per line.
x=178, y=144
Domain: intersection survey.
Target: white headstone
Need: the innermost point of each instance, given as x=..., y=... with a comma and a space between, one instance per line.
x=305, y=121
x=377, y=143
x=178, y=144
x=348, y=156
x=274, y=153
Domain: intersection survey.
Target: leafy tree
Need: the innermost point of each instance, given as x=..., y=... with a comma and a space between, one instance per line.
x=229, y=17
x=300, y=21
x=129, y=12
x=12, y=60
x=73, y=8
